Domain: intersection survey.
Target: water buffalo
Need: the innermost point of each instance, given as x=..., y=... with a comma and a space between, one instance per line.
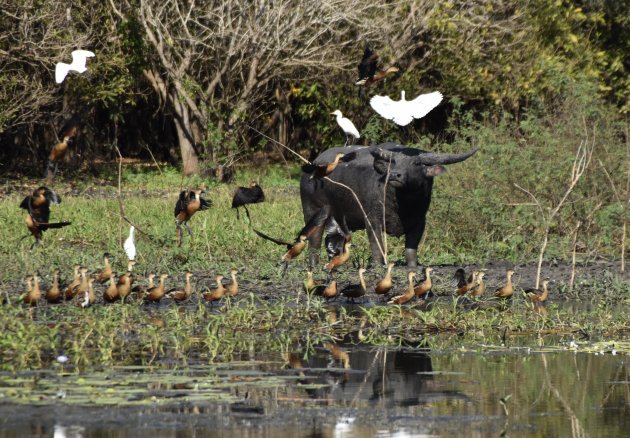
x=409, y=174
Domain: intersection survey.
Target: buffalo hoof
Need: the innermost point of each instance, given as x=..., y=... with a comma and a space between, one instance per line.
x=411, y=257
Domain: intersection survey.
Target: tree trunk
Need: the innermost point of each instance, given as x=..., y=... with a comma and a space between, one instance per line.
x=185, y=137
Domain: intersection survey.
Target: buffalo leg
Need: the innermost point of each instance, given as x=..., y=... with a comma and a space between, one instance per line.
x=412, y=240
x=314, y=247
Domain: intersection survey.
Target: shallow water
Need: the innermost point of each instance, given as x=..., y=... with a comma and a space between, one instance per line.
x=337, y=390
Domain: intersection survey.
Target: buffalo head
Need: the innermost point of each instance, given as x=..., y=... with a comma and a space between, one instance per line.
x=409, y=170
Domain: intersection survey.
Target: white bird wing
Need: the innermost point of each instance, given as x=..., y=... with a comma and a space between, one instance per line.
x=61, y=71
x=384, y=106
x=421, y=105
x=79, y=58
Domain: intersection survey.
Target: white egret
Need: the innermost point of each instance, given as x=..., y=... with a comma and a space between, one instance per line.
x=402, y=112
x=79, y=58
x=130, y=246
x=348, y=127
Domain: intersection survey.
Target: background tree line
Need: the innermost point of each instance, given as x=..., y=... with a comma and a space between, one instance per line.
x=189, y=80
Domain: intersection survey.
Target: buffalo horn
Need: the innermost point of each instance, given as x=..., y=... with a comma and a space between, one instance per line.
x=431, y=158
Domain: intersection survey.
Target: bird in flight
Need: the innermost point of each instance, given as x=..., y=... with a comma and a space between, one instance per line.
x=403, y=112
x=79, y=58
x=369, y=71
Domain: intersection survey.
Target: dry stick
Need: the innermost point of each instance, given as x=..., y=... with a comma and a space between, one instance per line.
x=572, y=279
x=120, y=203
x=623, y=206
x=384, y=234
x=580, y=163
x=277, y=142
x=153, y=158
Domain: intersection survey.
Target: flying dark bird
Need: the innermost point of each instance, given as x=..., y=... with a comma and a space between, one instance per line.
x=369, y=72
x=67, y=137
x=38, y=207
x=247, y=195
x=189, y=202
x=296, y=247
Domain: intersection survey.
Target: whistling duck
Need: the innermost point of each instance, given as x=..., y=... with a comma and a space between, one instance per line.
x=38, y=207
x=189, y=203
x=53, y=295
x=247, y=195
x=340, y=259
x=425, y=286
x=67, y=134
x=402, y=112
x=33, y=293
x=330, y=291
x=182, y=294
x=310, y=286
x=125, y=281
x=460, y=277
x=537, y=295
x=217, y=293
x=69, y=292
x=320, y=171
x=386, y=284
x=347, y=126
x=353, y=291
x=369, y=72
x=129, y=246
x=82, y=288
x=507, y=290
x=409, y=292
x=79, y=59
x=156, y=293
x=111, y=293
x=232, y=287
x=89, y=296
x=105, y=274
x=480, y=286
x=468, y=284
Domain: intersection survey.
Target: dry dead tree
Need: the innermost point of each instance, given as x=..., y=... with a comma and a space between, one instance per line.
x=582, y=159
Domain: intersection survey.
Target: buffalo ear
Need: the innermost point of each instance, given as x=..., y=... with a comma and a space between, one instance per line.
x=382, y=166
x=434, y=170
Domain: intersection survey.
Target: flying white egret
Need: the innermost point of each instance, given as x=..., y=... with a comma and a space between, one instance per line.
x=129, y=246
x=79, y=58
x=348, y=127
x=402, y=111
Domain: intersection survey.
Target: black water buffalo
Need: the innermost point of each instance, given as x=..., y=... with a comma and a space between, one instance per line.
x=409, y=173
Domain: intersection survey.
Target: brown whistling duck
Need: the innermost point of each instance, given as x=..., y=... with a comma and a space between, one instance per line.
x=67, y=134
x=111, y=293
x=386, y=284
x=460, y=277
x=469, y=284
x=340, y=259
x=507, y=290
x=369, y=72
x=82, y=288
x=330, y=291
x=69, y=292
x=37, y=206
x=33, y=293
x=247, y=195
x=232, y=287
x=182, y=294
x=156, y=293
x=480, y=287
x=353, y=291
x=125, y=281
x=295, y=249
x=189, y=202
x=425, y=286
x=217, y=293
x=320, y=171
x=89, y=297
x=104, y=275
x=53, y=295
x=537, y=295
x=310, y=286
x=409, y=292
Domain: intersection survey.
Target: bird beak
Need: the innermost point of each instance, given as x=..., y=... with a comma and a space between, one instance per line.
x=332, y=114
